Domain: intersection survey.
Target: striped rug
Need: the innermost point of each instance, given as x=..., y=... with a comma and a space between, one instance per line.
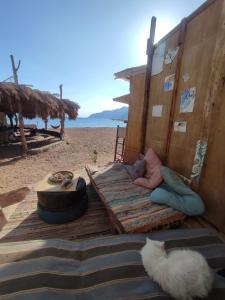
x=24, y=224
x=102, y=268
x=129, y=203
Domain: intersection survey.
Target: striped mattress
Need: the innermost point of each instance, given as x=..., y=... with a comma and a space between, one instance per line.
x=103, y=268
x=129, y=203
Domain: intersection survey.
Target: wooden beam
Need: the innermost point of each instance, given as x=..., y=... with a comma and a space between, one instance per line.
x=150, y=52
x=62, y=118
x=21, y=123
x=176, y=84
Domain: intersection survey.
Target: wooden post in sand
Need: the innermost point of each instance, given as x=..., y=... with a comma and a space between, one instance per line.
x=21, y=123
x=62, y=121
x=149, y=52
x=46, y=124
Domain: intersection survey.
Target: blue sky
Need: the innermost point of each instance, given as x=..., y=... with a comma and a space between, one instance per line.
x=81, y=43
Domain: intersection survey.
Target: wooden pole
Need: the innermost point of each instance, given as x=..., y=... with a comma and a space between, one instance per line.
x=149, y=52
x=21, y=123
x=11, y=120
x=16, y=120
x=62, y=121
x=46, y=124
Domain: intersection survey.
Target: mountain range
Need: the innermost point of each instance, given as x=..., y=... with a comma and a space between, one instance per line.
x=119, y=113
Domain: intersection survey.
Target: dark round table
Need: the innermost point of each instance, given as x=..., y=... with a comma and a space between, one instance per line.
x=58, y=207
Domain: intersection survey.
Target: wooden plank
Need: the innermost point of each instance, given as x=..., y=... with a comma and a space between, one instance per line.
x=201, y=34
x=134, y=127
x=157, y=127
x=176, y=83
x=116, y=226
x=150, y=52
x=216, y=81
x=211, y=185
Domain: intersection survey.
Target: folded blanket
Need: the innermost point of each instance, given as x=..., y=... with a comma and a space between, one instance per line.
x=174, y=193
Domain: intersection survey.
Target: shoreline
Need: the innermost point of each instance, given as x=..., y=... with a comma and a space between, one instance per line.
x=78, y=123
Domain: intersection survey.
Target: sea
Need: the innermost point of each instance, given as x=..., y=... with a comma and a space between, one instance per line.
x=78, y=123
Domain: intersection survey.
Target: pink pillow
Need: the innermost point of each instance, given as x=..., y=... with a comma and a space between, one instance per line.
x=153, y=175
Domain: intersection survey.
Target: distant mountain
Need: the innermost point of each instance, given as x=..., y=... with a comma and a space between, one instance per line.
x=119, y=113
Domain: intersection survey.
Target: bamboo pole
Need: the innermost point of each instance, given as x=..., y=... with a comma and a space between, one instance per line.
x=62, y=121
x=149, y=52
x=21, y=123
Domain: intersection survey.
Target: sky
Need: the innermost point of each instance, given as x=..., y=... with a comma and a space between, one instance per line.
x=82, y=43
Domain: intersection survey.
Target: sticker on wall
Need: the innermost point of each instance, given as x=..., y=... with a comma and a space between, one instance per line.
x=157, y=110
x=169, y=82
x=187, y=100
x=180, y=126
x=200, y=152
x=170, y=55
x=158, y=58
x=186, y=77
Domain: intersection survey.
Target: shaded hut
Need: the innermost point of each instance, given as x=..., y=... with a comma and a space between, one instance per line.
x=34, y=103
x=185, y=109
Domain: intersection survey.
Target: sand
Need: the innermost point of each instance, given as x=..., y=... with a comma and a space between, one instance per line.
x=73, y=154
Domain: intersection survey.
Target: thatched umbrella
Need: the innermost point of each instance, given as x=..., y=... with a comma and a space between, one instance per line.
x=34, y=103
x=70, y=108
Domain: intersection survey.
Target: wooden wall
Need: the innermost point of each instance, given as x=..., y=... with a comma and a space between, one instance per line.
x=201, y=38
x=204, y=31
x=133, y=135
x=199, y=43
x=211, y=186
x=157, y=127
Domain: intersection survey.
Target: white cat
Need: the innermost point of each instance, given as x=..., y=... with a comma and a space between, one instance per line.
x=183, y=274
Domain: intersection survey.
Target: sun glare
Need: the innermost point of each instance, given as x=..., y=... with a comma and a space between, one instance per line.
x=162, y=28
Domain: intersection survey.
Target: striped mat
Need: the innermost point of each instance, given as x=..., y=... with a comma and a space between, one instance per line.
x=129, y=203
x=25, y=224
x=102, y=268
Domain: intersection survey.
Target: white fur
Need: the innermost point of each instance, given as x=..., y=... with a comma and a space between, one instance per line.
x=183, y=273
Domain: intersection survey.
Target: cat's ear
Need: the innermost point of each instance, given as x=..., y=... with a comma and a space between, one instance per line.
x=162, y=245
x=148, y=240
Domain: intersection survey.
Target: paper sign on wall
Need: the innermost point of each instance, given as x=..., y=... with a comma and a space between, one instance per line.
x=170, y=55
x=186, y=77
x=169, y=82
x=158, y=59
x=187, y=100
x=157, y=110
x=180, y=126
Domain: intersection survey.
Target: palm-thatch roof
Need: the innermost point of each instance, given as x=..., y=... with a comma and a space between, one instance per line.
x=70, y=108
x=34, y=103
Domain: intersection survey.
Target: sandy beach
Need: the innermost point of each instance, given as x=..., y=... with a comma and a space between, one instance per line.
x=76, y=151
